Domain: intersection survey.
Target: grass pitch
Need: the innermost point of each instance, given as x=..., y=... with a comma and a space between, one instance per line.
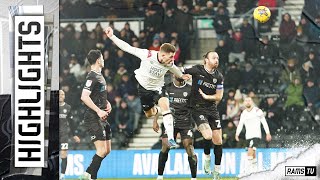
x=166, y=178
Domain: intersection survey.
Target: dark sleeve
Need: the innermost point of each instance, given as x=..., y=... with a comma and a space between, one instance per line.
x=220, y=81
x=91, y=81
x=71, y=122
x=190, y=71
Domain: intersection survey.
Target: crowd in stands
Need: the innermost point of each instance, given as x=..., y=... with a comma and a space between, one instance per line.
x=281, y=73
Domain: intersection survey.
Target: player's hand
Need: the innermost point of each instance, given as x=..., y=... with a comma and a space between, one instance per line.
x=237, y=138
x=203, y=94
x=76, y=139
x=109, y=107
x=109, y=31
x=186, y=77
x=155, y=126
x=268, y=137
x=102, y=114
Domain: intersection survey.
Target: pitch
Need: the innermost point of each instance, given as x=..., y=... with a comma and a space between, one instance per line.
x=164, y=178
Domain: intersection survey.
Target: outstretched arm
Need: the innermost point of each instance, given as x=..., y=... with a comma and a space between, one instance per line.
x=140, y=53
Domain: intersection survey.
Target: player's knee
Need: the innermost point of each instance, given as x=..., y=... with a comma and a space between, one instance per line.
x=107, y=152
x=63, y=154
x=102, y=152
x=217, y=141
x=189, y=150
x=207, y=135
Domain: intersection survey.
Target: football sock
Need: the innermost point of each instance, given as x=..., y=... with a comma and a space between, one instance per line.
x=193, y=165
x=207, y=146
x=168, y=123
x=162, y=162
x=217, y=154
x=94, y=166
x=63, y=165
x=250, y=164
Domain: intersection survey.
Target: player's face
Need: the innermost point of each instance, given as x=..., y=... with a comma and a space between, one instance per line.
x=101, y=61
x=167, y=58
x=248, y=102
x=61, y=96
x=213, y=60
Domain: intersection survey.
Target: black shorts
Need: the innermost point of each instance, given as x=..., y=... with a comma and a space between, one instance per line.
x=253, y=143
x=150, y=98
x=184, y=133
x=97, y=129
x=201, y=117
x=63, y=140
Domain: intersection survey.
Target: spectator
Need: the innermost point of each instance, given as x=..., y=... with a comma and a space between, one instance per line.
x=294, y=94
x=228, y=137
x=307, y=72
x=249, y=38
x=75, y=67
x=222, y=24
x=169, y=23
x=272, y=114
x=134, y=104
x=237, y=51
x=108, y=76
x=129, y=33
x=209, y=10
x=250, y=76
x=109, y=62
x=267, y=51
x=233, y=77
x=287, y=31
x=123, y=120
x=178, y=50
x=155, y=45
x=223, y=52
x=314, y=31
x=311, y=94
x=121, y=59
x=243, y=6
x=125, y=85
x=288, y=74
x=117, y=78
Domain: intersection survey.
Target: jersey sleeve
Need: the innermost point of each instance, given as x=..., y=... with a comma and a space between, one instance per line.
x=240, y=125
x=90, y=83
x=263, y=121
x=190, y=70
x=140, y=53
x=220, y=82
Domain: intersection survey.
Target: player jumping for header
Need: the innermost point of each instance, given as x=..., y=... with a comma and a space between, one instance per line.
x=150, y=76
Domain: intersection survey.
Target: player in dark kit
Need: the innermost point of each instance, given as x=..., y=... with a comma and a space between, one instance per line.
x=207, y=91
x=94, y=96
x=65, y=126
x=179, y=95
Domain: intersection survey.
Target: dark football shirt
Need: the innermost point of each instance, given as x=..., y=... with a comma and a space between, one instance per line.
x=96, y=84
x=207, y=82
x=65, y=118
x=180, y=105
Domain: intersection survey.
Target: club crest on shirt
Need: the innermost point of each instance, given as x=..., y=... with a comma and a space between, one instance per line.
x=88, y=83
x=64, y=110
x=214, y=80
x=185, y=94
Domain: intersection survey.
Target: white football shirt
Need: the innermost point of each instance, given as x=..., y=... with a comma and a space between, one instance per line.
x=251, y=120
x=150, y=74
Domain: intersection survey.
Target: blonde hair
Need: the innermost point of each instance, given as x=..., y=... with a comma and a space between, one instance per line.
x=167, y=48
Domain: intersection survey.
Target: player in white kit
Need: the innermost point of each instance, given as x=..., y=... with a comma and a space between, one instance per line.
x=251, y=118
x=150, y=76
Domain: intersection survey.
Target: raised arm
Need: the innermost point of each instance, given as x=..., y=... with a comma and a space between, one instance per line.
x=140, y=53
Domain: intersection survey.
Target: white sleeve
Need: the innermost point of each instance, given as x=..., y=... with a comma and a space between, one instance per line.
x=175, y=70
x=140, y=53
x=240, y=125
x=263, y=121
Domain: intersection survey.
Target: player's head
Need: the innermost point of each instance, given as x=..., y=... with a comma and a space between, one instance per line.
x=61, y=96
x=211, y=59
x=166, y=54
x=95, y=57
x=248, y=102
